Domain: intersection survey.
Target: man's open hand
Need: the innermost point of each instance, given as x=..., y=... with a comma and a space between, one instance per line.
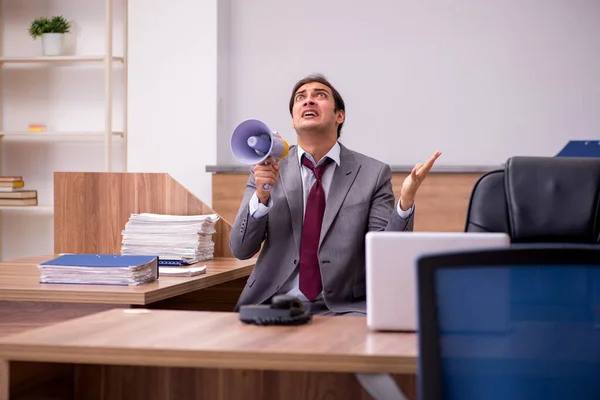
x=413, y=181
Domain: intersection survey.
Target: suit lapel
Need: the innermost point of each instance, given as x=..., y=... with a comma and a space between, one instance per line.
x=291, y=181
x=343, y=177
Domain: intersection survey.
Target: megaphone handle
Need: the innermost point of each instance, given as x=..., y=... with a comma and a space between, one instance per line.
x=266, y=186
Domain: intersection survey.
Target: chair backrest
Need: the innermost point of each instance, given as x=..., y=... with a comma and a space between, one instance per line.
x=536, y=335
x=539, y=199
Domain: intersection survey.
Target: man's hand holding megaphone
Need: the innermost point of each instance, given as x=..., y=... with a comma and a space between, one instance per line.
x=266, y=175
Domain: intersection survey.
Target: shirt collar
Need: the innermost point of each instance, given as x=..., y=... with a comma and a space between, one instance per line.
x=334, y=154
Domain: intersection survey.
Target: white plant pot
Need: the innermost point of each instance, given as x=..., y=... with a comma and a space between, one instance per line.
x=52, y=43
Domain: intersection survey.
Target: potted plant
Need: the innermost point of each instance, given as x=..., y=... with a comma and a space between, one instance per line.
x=52, y=31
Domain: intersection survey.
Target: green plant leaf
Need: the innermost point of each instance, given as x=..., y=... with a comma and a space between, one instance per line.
x=41, y=25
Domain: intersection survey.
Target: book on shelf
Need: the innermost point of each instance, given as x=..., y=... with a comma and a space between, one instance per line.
x=19, y=194
x=175, y=239
x=12, y=192
x=100, y=269
x=18, y=202
x=10, y=178
x=12, y=184
x=36, y=128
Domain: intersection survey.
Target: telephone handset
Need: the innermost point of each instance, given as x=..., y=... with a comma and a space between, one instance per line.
x=283, y=310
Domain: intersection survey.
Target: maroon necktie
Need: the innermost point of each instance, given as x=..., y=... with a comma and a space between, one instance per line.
x=310, y=274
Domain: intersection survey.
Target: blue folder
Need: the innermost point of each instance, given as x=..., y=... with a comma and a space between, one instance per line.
x=69, y=268
x=100, y=260
x=580, y=148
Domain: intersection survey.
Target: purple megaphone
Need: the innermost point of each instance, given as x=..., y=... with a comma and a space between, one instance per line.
x=252, y=142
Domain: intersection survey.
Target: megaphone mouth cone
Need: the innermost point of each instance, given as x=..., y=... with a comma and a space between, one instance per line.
x=239, y=141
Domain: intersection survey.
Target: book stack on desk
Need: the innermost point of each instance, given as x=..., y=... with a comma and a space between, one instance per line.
x=100, y=269
x=13, y=194
x=176, y=239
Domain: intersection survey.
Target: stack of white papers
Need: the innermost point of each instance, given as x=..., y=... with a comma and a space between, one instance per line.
x=180, y=238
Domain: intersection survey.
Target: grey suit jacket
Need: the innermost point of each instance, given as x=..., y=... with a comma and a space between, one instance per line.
x=360, y=199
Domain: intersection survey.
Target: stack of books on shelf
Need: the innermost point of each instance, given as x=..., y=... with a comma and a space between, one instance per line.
x=177, y=240
x=100, y=269
x=12, y=192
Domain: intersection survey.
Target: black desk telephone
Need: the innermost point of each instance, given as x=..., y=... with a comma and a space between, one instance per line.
x=283, y=310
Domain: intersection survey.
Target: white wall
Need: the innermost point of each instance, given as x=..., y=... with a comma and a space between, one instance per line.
x=479, y=80
x=65, y=98
x=173, y=87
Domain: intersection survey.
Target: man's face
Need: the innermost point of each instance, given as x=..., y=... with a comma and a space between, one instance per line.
x=314, y=108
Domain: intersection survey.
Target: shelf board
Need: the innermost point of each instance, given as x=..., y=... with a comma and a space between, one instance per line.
x=40, y=209
x=56, y=136
x=56, y=59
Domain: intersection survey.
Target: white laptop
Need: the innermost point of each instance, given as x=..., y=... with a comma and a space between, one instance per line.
x=391, y=271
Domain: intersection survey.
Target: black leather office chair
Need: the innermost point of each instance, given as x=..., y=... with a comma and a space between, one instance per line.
x=539, y=199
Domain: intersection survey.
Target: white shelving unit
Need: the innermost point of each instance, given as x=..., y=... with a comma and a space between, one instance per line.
x=108, y=59
x=109, y=137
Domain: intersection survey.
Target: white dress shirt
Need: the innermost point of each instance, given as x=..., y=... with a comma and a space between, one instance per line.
x=258, y=210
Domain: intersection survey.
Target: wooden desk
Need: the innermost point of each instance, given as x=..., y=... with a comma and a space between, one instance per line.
x=25, y=303
x=143, y=354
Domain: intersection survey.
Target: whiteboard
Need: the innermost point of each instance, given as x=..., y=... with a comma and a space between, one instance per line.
x=480, y=81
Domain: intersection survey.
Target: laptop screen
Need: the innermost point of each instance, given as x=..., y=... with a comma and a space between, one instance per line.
x=519, y=332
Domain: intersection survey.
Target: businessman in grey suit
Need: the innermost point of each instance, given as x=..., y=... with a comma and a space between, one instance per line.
x=323, y=199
